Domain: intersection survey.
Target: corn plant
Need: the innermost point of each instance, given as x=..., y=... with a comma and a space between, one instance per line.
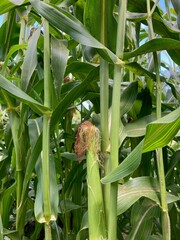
x=89, y=119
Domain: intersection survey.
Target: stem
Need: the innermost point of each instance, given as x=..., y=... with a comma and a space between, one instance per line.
x=46, y=132
x=48, y=232
x=131, y=74
x=115, y=121
x=46, y=170
x=114, y=149
x=165, y=217
x=20, y=154
x=104, y=103
x=104, y=100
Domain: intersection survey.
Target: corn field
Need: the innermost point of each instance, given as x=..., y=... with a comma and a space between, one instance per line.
x=90, y=120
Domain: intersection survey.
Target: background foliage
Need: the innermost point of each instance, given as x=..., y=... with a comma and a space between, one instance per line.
x=54, y=57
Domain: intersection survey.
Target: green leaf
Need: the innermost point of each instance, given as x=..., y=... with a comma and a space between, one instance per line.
x=17, y=2
x=12, y=234
x=128, y=166
x=84, y=226
x=136, y=17
x=17, y=93
x=83, y=69
x=35, y=136
x=158, y=135
x=159, y=24
x=142, y=222
x=137, y=6
x=162, y=131
x=138, y=70
x=12, y=50
x=176, y=5
x=30, y=60
x=75, y=93
x=93, y=21
x=173, y=163
x=59, y=56
x=70, y=156
x=54, y=197
x=137, y=128
x=156, y=237
x=168, y=29
x=154, y=45
x=6, y=5
x=128, y=97
x=174, y=90
x=64, y=21
x=134, y=189
x=67, y=205
x=6, y=203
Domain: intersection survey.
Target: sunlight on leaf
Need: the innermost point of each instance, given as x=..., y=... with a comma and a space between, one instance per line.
x=162, y=131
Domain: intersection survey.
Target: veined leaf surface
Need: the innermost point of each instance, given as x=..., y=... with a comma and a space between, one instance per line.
x=72, y=26
x=134, y=189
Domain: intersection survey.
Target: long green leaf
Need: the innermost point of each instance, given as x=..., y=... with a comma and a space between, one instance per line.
x=158, y=134
x=138, y=70
x=72, y=26
x=35, y=136
x=17, y=93
x=30, y=60
x=136, y=188
x=162, y=131
x=59, y=56
x=154, y=45
x=128, y=166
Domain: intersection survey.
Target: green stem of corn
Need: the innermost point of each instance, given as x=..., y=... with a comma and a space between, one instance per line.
x=104, y=103
x=165, y=217
x=115, y=121
x=46, y=132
